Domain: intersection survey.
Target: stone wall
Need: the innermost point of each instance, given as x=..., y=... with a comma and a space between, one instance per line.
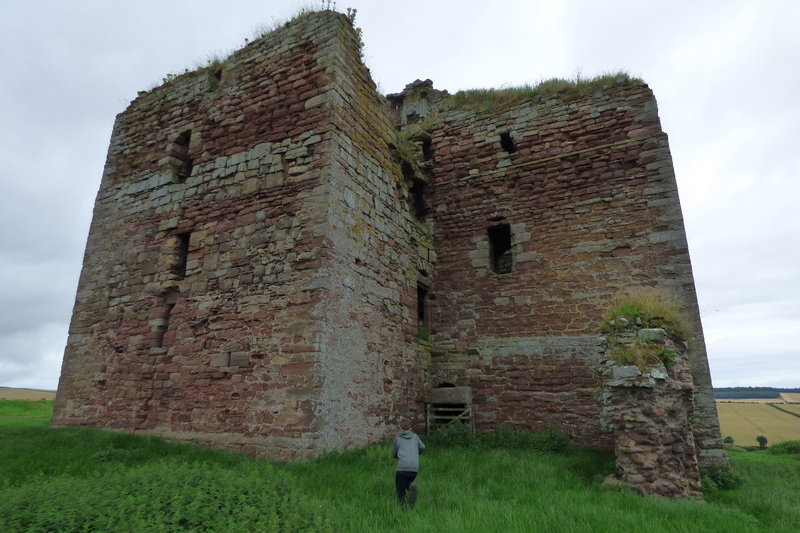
x=650, y=414
x=585, y=189
x=244, y=278
x=273, y=269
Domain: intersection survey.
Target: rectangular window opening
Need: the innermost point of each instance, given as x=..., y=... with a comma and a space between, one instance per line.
x=507, y=142
x=500, y=259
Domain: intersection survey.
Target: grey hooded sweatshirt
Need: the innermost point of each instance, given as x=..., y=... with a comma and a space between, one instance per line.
x=407, y=447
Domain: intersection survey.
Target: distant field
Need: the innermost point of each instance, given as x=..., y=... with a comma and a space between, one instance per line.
x=7, y=393
x=793, y=407
x=752, y=400
x=745, y=421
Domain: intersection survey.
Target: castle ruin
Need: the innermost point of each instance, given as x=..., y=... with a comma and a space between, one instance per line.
x=282, y=262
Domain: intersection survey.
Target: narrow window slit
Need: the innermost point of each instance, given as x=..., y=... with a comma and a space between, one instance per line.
x=418, y=200
x=500, y=259
x=427, y=153
x=423, y=329
x=161, y=325
x=179, y=252
x=181, y=153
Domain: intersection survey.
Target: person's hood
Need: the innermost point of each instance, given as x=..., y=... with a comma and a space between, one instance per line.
x=406, y=434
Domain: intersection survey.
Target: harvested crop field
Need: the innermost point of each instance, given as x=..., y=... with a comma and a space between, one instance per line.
x=745, y=421
x=793, y=407
x=751, y=400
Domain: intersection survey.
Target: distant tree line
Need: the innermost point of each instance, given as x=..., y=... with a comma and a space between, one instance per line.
x=748, y=393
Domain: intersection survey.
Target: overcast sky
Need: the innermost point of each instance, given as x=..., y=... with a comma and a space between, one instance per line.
x=726, y=75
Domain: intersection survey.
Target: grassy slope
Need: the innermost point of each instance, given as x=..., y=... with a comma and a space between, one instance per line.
x=460, y=490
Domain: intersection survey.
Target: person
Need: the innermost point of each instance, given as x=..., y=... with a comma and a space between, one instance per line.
x=406, y=448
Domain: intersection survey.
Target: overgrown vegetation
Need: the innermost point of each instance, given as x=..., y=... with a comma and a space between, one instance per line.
x=303, y=11
x=643, y=355
x=509, y=488
x=215, y=63
x=504, y=436
x=787, y=447
x=407, y=154
x=562, y=88
x=646, y=307
x=718, y=478
x=83, y=479
x=163, y=495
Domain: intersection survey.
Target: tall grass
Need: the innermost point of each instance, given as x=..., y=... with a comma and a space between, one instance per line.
x=83, y=479
x=562, y=88
x=477, y=488
x=650, y=308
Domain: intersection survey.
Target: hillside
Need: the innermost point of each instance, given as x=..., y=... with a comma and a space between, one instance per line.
x=8, y=393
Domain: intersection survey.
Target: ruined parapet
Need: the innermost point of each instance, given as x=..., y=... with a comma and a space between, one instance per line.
x=648, y=408
x=416, y=102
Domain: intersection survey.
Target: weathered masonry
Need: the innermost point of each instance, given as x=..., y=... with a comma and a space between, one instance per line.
x=283, y=262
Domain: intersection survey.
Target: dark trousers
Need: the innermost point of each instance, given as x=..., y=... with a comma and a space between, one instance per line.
x=402, y=480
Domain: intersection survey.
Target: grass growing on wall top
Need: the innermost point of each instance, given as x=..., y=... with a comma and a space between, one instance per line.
x=647, y=307
x=492, y=99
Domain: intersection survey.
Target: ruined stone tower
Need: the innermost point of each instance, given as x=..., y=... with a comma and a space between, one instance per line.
x=282, y=261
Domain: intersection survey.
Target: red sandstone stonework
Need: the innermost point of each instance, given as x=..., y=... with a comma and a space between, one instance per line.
x=259, y=263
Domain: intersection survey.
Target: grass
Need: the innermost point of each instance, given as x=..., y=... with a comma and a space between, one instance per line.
x=770, y=495
x=84, y=479
x=218, y=61
x=25, y=413
x=562, y=88
x=74, y=473
x=647, y=307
